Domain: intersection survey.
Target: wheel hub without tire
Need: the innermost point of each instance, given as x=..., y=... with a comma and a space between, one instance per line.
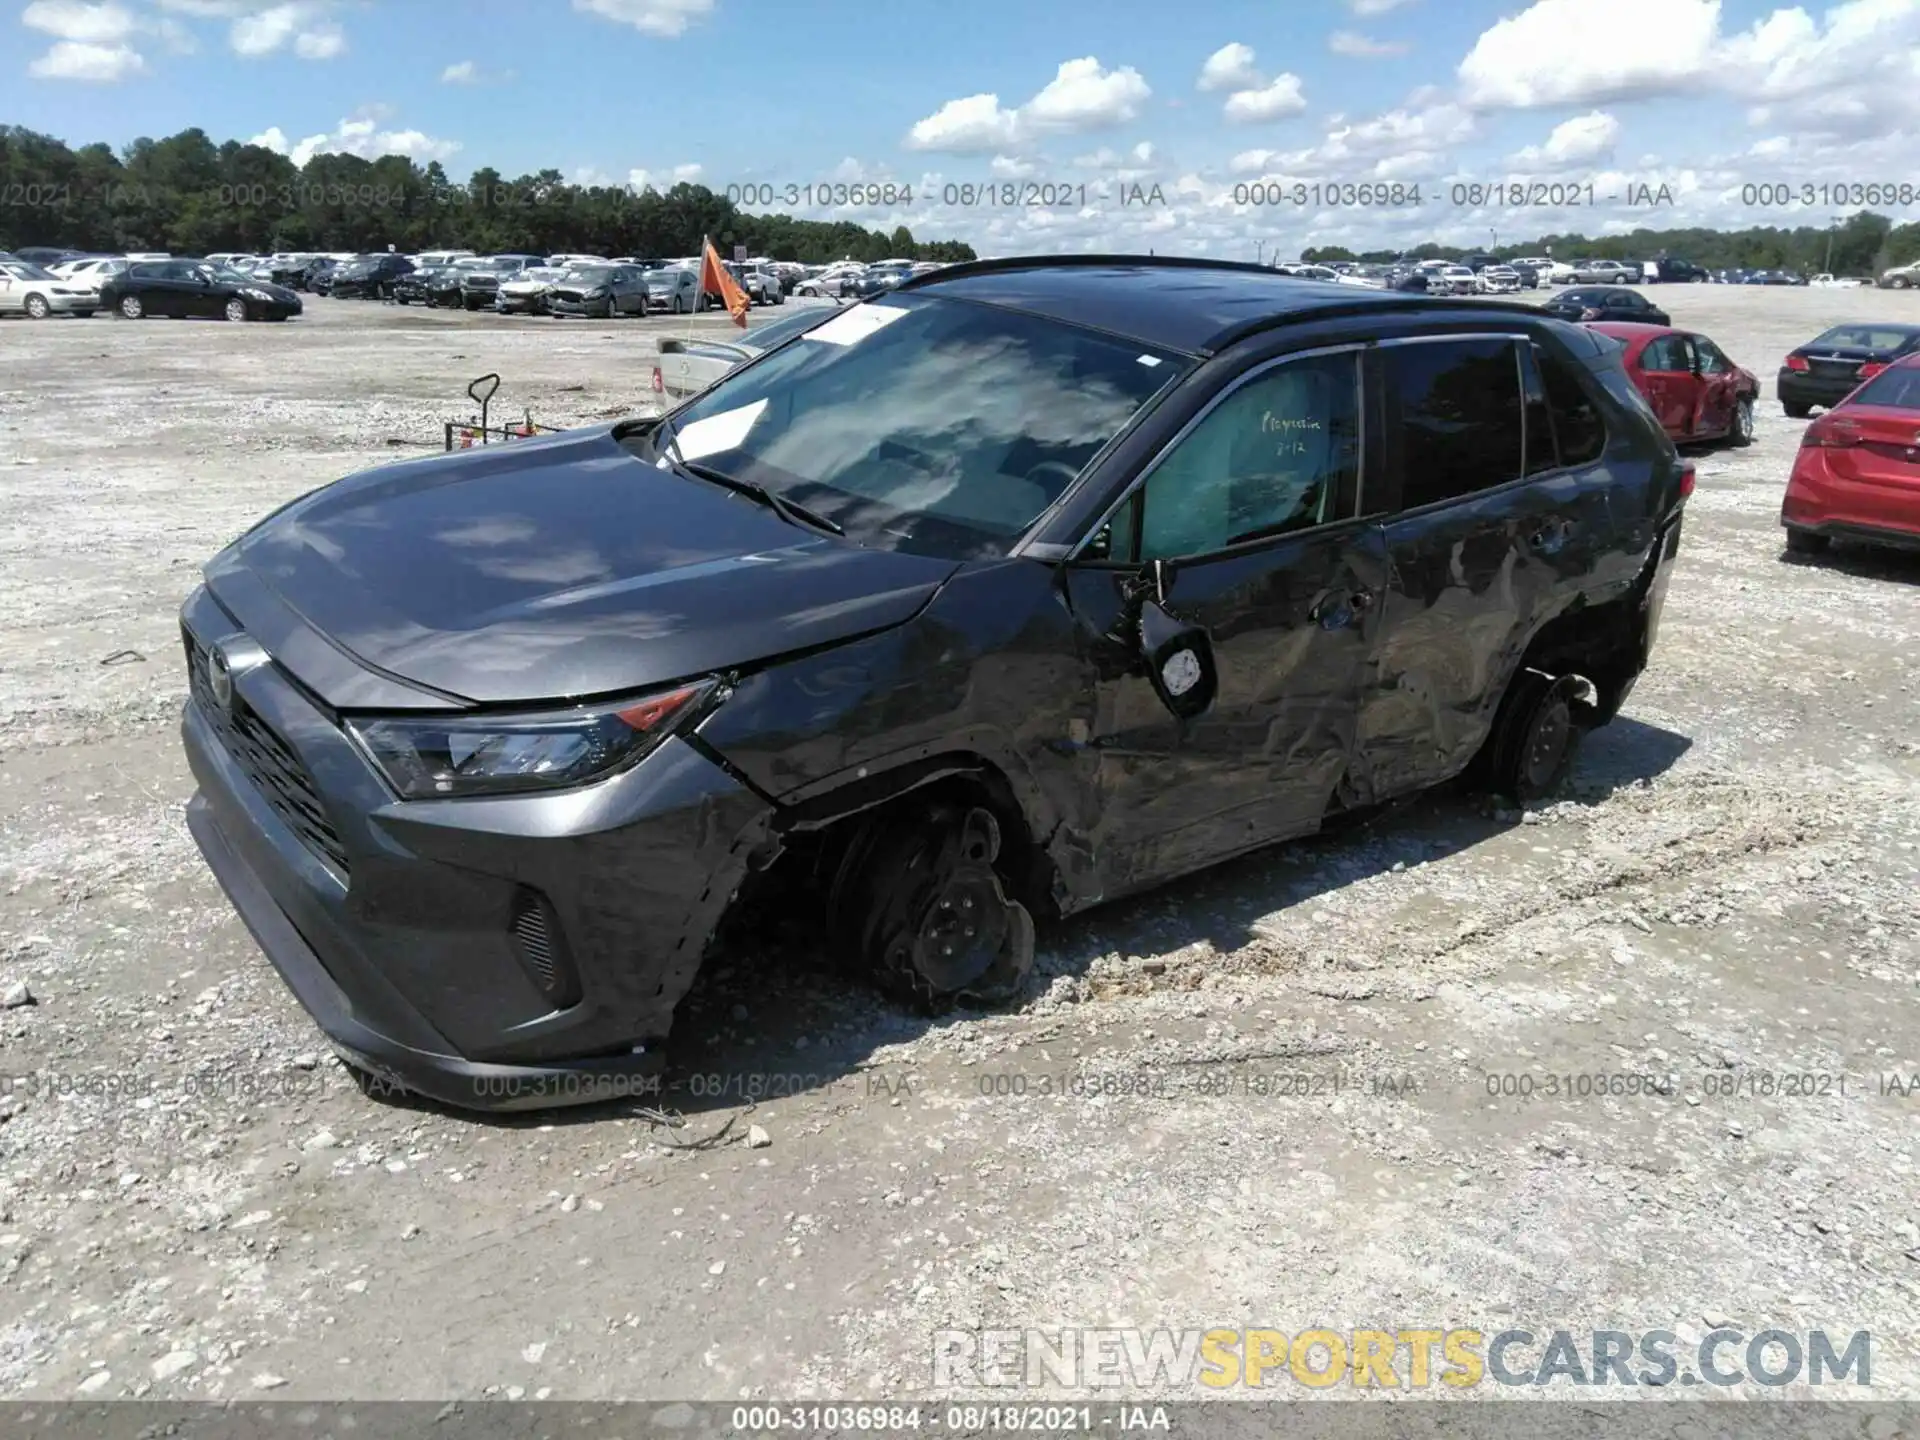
x=963, y=930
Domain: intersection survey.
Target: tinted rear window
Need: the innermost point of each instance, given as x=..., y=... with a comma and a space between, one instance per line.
x=1897, y=389
x=1865, y=337
x=1455, y=410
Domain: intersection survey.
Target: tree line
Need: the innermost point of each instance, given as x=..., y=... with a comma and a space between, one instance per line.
x=1864, y=244
x=188, y=196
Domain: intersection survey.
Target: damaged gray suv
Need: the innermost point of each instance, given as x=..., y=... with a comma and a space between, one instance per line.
x=1030, y=584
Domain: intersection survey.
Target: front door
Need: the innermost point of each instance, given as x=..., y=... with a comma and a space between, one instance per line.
x=1719, y=387
x=1250, y=512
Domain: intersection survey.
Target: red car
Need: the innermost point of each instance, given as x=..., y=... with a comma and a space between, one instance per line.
x=1857, y=476
x=1698, y=393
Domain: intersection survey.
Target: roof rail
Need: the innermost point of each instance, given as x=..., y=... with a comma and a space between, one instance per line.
x=964, y=268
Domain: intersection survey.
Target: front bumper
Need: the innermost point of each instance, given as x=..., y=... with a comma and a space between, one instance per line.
x=593, y=308
x=394, y=923
x=73, y=304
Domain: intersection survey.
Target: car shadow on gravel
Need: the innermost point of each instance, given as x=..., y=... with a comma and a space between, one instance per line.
x=785, y=1023
x=1862, y=562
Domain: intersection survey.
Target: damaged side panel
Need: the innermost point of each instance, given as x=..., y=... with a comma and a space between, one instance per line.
x=989, y=674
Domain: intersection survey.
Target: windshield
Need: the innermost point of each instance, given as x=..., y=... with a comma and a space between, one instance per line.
x=932, y=426
x=25, y=270
x=663, y=276
x=590, y=275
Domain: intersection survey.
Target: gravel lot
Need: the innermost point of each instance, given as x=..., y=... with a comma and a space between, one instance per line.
x=1725, y=894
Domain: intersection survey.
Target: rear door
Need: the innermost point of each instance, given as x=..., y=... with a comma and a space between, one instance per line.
x=1254, y=509
x=163, y=289
x=1493, y=525
x=1667, y=380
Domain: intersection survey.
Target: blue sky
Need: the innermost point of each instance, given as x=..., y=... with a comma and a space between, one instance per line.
x=1179, y=107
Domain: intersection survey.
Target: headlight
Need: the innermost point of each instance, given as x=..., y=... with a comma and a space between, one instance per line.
x=253, y=293
x=433, y=757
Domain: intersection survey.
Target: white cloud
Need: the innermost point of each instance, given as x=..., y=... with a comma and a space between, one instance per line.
x=1277, y=99
x=80, y=60
x=1577, y=141
x=1363, y=47
x=360, y=135
x=209, y=9
x=321, y=43
x=461, y=72
x=667, y=18
x=299, y=24
x=1008, y=167
x=71, y=20
x=1255, y=98
x=976, y=123
x=1231, y=67
x=1532, y=58
x=663, y=179
x=1375, y=7
x=1083, y=95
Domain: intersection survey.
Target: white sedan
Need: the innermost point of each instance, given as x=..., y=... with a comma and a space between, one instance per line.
x=36, y=293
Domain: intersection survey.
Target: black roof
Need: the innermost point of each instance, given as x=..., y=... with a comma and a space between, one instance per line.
x=1176, y=303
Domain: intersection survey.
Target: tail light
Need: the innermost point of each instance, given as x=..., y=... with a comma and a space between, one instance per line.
x=1686, y=479
x=1871, y=369
x=1797, y=362
x=1829, y=434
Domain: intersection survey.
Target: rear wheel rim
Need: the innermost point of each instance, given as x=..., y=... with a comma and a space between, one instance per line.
x=130, y=307
x=236, y=310
x=36, y=307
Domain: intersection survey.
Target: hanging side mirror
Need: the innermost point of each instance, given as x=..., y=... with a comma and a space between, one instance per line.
x=1180, y=661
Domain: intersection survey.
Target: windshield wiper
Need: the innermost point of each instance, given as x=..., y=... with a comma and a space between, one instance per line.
x=792, y=511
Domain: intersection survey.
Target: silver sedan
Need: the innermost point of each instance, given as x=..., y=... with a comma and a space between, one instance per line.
x=36, y=293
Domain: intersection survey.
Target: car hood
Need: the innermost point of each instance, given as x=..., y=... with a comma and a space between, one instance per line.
x=535, y=570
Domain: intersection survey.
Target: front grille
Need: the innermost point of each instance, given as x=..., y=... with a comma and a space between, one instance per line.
x=272, y=765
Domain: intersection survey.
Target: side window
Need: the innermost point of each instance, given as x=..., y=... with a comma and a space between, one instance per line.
x=1453, y=417
x=1577, y=427
x=1662, y=355
x=1713, y=360
x=1277, y=455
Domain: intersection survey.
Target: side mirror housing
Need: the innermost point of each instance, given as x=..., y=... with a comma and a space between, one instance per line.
x=1180, y=663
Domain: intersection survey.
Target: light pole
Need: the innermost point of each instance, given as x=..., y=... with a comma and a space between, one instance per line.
x=1828, y=267
x=1260, y=253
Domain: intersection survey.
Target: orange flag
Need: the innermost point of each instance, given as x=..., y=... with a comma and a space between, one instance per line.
x=715, y=279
